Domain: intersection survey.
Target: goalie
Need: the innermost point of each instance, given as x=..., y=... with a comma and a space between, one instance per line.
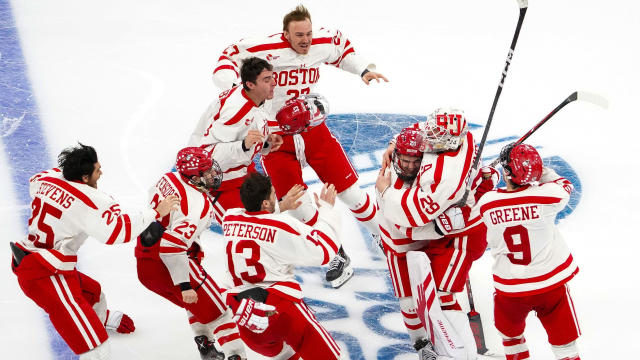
x=417, y=201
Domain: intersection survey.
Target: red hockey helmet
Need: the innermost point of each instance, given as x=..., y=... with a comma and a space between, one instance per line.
x=410, y=142
x=294, y=116
x=196, y=161
x=523, y=163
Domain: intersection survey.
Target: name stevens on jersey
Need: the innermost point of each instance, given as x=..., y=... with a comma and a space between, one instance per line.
x=518, y=213
x=56, y=194
x=247, y=231
x=295, y=76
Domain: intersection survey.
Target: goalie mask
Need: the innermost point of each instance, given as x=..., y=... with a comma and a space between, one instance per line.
x=300, y=113
x=445, y=130
x=522, y=163
x=198, y=168
x=407, y=154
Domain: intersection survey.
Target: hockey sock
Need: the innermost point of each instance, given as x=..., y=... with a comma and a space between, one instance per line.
x=362, y=205
x=566, y=352
x=515, y=348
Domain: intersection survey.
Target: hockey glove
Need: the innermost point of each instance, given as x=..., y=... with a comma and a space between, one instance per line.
x=119, y=322
x=452, y=219
x=485, y=181
x=253, y=315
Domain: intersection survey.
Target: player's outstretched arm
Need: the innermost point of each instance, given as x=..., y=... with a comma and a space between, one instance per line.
x=368, y=76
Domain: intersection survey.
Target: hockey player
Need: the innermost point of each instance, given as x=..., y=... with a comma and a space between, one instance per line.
x=532, y=263
x=297, y=54
x=431, y=165
x=234, y=129
x=67, y=208
x=169, y=254
x=263, y=249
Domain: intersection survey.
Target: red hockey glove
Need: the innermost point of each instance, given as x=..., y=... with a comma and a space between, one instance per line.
x=119, y=322
x=485, y=181
x=253, y=315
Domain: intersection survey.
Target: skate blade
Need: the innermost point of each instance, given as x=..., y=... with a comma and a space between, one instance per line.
x=346, y=275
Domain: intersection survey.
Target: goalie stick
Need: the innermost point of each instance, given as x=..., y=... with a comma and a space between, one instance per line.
x=476, y=323
x=576, y=95
x=523, y=10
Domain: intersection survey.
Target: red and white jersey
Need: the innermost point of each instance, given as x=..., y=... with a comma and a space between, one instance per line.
x=295, y=74
x=441, y=181
x=64, y=213
x=183, y=226
x=223, y=127
x=530, y=255
x=264, y=248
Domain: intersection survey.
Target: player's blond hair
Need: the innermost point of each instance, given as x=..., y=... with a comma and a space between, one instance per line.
x=300, y=13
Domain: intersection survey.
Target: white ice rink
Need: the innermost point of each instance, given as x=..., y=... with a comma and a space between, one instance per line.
x=131, y=78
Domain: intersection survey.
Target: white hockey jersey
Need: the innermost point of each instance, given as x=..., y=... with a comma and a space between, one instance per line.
x=295, y=74
x=263, y=248
x=530, y=255
x=64, y=213
x=442, y=180
x=223, y=127
x=183, y=226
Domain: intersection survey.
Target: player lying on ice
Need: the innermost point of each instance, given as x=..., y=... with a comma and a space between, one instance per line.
x=424, y=175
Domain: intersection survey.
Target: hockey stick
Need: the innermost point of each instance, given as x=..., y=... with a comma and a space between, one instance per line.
x=523, y=10
x=476, y=323
x=577, y=95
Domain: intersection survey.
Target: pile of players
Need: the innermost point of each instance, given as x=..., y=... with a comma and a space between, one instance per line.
x=267, y=109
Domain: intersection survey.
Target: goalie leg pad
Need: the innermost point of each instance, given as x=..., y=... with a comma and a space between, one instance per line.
x=460, y=323
x=411, y=320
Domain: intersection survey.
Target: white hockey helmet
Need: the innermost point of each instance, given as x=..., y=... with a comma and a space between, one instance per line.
x=445, y=129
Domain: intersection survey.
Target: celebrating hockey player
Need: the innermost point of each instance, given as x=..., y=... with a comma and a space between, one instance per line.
x=234, y=129
x=532, y=263
x=67, y=208
x=169, y=254
x=296, y=55
x=431, y=163
x=263, y=249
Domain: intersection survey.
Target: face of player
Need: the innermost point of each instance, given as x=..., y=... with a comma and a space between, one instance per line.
x=270, y=205
x=409, y=166
x=299, y=35
x=209, y=178
x=92, y=180
x=263, y=88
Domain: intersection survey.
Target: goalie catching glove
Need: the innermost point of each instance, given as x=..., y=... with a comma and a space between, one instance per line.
x=254, y=315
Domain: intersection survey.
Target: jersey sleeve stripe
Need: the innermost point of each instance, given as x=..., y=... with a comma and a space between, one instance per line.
x=328, y=240
x=363, y=207
x=127, y=228
x=174, y=240
x=416, y=203
x=225, y=67
x=240, y=114
x=313, y=220
x=205, y=210
x=71, y=189
x=184, y=206
x=224, y=57
x=398, y=242
x=405, y=207
x=265, y=47
x=349, y=51
x=322, y=40
x=267, y=222
x=116, y=232
x=467, y=163
x=437, y=174
x=544, y=200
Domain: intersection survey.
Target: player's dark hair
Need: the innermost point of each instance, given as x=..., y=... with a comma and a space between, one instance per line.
x=251, y=68
x=298, y=14
x=255, y=188
x=76, y=161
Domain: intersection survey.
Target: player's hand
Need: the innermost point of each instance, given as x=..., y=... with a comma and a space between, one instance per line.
x=254, y=315
x=167, y=205
x=372, y=75
x=387, y=157
x=253, y=136
x=290, y=200
x=485, y=181
x=189, y=296
x=383, y=181
x=327, y=194
x=275, y=141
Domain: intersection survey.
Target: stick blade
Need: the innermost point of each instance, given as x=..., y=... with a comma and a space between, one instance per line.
x=478, y=332
x=593, y=98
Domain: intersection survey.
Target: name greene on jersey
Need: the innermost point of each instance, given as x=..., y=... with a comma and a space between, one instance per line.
x=56, y=194
x=297, y=76
x=516, y=213
x=249, y=232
